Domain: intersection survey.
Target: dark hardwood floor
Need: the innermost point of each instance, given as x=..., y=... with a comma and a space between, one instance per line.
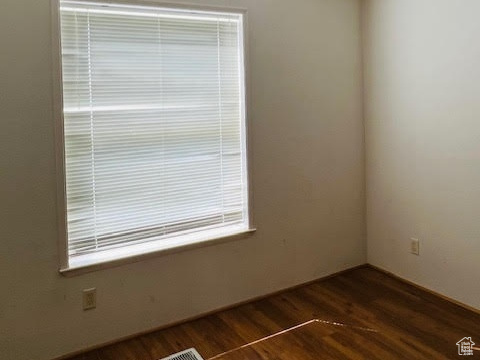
x=362, y=314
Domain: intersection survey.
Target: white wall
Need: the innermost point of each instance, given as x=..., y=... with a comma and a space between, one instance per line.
x=422, y=82
x=308, y=179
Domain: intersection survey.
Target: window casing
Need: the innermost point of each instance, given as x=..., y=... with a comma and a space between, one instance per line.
x=153, y=129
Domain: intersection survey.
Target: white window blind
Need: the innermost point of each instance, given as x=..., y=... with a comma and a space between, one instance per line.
x=153, y=122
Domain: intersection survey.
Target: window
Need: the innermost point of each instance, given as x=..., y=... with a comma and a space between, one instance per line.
x=154, y=135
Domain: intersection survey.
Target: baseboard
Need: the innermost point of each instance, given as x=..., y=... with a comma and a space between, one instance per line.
x=411, y=283
x=224, y=308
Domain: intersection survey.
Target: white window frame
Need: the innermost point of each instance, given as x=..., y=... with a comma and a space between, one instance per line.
x=122, y=255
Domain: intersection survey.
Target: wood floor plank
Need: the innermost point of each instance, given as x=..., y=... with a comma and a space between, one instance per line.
x=376, y=316
x=125, y=350
x=91, y=355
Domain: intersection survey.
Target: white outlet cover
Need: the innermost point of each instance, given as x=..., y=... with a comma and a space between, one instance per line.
x=415, y=246
x=89, y=299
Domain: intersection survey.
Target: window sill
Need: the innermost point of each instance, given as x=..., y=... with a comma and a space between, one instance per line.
x=135, y=253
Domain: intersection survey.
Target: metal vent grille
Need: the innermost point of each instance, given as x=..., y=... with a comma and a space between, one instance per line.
x=190, y=354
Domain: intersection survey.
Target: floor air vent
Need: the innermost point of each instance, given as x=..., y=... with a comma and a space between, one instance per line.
x=190, y=354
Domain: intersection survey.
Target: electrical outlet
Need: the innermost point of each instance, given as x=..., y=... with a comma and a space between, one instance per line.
x=89, y=299
x=415, y=246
